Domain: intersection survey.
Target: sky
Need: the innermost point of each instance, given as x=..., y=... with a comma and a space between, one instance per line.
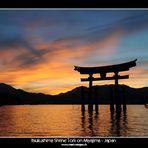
x=39, y=48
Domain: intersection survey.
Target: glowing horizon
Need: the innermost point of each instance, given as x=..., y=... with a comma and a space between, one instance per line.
x=39, y=48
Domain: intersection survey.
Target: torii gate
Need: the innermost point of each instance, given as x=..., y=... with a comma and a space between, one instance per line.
x=103, y=70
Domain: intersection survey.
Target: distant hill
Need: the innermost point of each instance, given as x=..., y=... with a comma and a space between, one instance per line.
x=10, y=95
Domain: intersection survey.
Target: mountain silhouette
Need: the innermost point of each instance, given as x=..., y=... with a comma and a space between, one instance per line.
x=10, y=95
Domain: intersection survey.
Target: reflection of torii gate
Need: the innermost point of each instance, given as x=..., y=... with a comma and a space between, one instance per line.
x=103, y=70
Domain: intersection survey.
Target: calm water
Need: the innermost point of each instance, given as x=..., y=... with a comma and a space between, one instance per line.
x=68, y=120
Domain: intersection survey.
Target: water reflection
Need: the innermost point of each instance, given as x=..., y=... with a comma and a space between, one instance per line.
x=67, y=120
x=115, y=123
x=92, y=126
x=118, y=123
x=89, y=121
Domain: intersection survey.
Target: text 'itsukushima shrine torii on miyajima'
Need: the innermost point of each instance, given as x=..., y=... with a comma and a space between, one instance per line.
x=103, y=70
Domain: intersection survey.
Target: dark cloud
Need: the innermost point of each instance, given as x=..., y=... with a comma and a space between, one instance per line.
x=26, y=60
x=23, y=53
x=17, y=41
x=133, y=23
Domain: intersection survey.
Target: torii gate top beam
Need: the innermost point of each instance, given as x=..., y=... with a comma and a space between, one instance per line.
x=106, y=69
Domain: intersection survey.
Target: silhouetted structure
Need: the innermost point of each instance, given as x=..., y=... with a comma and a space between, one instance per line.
x=102, y=71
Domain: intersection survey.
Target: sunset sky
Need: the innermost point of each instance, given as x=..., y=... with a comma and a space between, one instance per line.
x=39, y=48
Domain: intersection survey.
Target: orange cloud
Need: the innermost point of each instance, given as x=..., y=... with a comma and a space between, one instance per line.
x=53, y=72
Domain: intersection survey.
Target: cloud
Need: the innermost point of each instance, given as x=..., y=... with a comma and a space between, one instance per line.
x=134, y=21
x=38, y=59
x=18, y=51
x=98, y=40
x=17, y=41
x=78, y=50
